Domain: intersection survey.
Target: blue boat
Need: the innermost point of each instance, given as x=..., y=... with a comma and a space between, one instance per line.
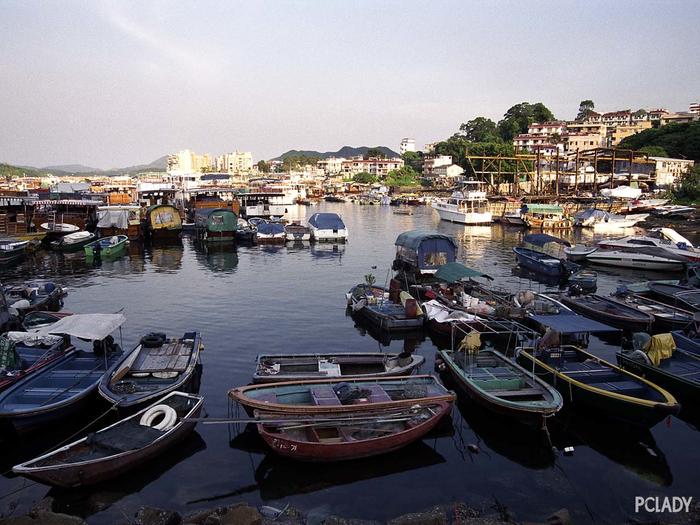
x=66, y=385
x=540, y=262
x=419, y=254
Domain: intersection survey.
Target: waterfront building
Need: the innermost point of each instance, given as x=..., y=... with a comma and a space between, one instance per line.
x=669, y=171
x=430, y=163
x=407, y=144
x=331, y=165
x=374, y=165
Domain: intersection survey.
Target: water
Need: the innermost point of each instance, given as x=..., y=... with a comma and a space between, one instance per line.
x=291, y=299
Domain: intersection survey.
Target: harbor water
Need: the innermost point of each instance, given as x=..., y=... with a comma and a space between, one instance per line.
x=290, y=298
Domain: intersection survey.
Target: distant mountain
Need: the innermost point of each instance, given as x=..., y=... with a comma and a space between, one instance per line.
x=157, y=165
x=345, y=151
x=71, y=168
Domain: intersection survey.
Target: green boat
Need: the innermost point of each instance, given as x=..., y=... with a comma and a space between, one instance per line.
x=113, y=246
x=72, y=242
x=215, y=224
x=594, y=384
x=500, y=385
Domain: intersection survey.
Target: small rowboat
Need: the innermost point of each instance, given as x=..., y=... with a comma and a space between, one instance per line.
x=11, y=250
x=352, y=435
x=610, y=312
x=591, y=383
x=273, y=368
x=666, y=317
x=336, y=396
x=73, y=241
x=107, y=246
x=502, y=386
x=677, y=295
x=116, y=449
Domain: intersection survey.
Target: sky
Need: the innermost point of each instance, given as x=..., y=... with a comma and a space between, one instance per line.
x=113, y=84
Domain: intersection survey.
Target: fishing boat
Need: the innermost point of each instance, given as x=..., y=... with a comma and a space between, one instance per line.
x=40, y=319
x=215, y=224
x=546, y=217
x=419, y=254
x=465, y=207
x=33, y=296
x=666, y=317
x=592, y=383
x=244, y=231
x=399, y=311
x=348, y=436
x=73, y=242
x=24, y=353
x=500, y=385
x=328, y=227
x=644, y=259
x=609, y=311
x=11, y=251
x=271, y=368
x=108, y=247
x=158, y=365
x=676, y=370
x=582, y=282
x=270, y=232
x=688, y=339
x=297, y=232
x=341, y=396
x=364, y=290
x=118, y=448
x=540, y=262
x=677, y=295
x=66, y=385
x=162, y=223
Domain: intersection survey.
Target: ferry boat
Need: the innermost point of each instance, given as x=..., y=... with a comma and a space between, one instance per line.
x=465, y=207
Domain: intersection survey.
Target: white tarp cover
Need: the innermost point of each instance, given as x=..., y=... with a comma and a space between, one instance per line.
x=442, y=314
x=113, y=219
x=33, y=338
x=93, y=327
x=621, y=192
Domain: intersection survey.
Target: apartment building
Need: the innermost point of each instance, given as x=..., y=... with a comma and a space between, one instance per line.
x=374, y=165
x=407, y=144
x=670, y=171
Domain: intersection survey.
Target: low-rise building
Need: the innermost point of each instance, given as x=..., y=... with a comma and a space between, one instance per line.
x=678, y=118
x=430, y=163
x=695, y=108
x=374, y=165
x=407, y=144
x=583, y=141
x=669, y=171
x=620, y=132
x=453, y=172
x=331, y=165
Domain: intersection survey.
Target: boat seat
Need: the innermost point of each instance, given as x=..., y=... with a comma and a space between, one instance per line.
x=523, y=392
x=324, y=396
x=267, y=397
x=122, y=438
x=628, y=388
x=378, y=394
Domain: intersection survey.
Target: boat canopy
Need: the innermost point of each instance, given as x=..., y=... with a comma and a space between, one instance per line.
x=164, y=216
x=116, y=217
x=592, y=213
x=542, y=208
x=414, y=239
x=270, y=228
x=540, y=239
x=425, y=250
x=93, y=327
x=327, y=221
x=454, y=272
x=569, y=323
x=216, y=219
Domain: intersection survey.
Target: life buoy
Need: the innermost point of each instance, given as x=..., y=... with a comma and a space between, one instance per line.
x=168, y=413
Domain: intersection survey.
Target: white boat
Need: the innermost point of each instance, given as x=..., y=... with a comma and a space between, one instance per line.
x=665, y=238
x=634, y=260
x=59, y=227
x=603, y=221
x=621, y=192
x=578, y=252
x=328, y=227
x=470, y=207
x=673, y=211
x=296, y=232
x=514, y=219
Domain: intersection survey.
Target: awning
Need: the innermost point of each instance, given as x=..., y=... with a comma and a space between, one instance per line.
x=412, y=239
x=454, y=272
x=572, y=324
x=540, y=239
x=93, y=327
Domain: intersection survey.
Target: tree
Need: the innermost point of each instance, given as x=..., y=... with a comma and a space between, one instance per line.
x=653, y=151
x=364, y=178
x=681, y=141
x=263, y=167
x=640, y=113
x=585, y=108
x=374, y=152
x=404, y=176
x=519, y=117
x=480, y=129
x=414, y=159
x=690, y=185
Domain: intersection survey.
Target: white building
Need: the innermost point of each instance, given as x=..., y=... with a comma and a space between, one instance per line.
x=373, y=165
x=453, y=172
x=239, y=162
x=430, y=163
x=187, y=161
x=695, y=108
x=669, y=171
x=407, y=144
x=331, y=165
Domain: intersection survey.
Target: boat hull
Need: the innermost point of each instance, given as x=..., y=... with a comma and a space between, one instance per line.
x=470, y=218
x=528, y=259
x=626, y=318
x=639, y=261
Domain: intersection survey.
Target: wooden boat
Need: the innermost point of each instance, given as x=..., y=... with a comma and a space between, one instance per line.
x=215, y=224
x=156, y=366
x=610, y=312
x=679, y=373
x=113, y=246
x=400, y=311
x=40, y=319
x=677, y=295
x=163, y=222
x=271, y=368
x=589, y=382
x=500, y=385
x=33, y=296
x=363, y=290
x=11, y=251
x=540, y=262
x=336, y=396
x=546, y=217
x=73, y=242
x=297, y=232
x=687, y=341
x=351, y=435
x=31, y=354
x=116, y=449
x=666, y=317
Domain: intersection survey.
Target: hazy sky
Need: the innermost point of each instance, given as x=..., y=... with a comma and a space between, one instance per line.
x=109, y=84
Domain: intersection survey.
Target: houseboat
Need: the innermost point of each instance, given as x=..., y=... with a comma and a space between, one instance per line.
x=162, y=222
x=465, y=207
x=119, y=220
x=419, y=254
x=546, y=217
x=215, y=224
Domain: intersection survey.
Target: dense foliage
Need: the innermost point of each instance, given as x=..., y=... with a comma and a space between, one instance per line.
x=414, y=159
x=299, y=161
x=689, y=189
x=405, y=176
x=677, y=140
x=9, y=172
x=364, y=178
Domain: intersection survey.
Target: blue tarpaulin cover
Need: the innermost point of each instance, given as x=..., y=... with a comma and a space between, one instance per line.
x=572, y=324
x=327, y=221
x=412, y=239
x=540, y=239
x=270, y=228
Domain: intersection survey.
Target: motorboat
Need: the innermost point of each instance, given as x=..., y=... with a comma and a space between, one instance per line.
x=603, y=221
x=73, y=242
x=674, y=211
x=328, y=227
x=465, y=207
x=296, y=232
x=621, y=192
x=578, y=252
x=666, y=238
x=11, y=250
x=541, y=262
x=636, y=260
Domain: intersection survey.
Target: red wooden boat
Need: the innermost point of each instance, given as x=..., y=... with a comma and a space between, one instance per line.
x=340, y=437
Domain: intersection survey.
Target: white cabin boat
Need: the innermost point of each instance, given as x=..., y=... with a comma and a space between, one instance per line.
x=634, y=260
x=666, y=238
x=468, y=207
x=328, y=227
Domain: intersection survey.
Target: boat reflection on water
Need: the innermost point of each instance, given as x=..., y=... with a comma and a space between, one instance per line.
x=219, y=258
x=634, y=448
x=327, y=250
x=298, y=246
x=86, y=501
x=550, y=281
x=165, y=259
x=412, y=339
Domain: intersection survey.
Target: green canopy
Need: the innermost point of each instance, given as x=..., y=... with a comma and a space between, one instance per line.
x=454, y=272
x=543, y=208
